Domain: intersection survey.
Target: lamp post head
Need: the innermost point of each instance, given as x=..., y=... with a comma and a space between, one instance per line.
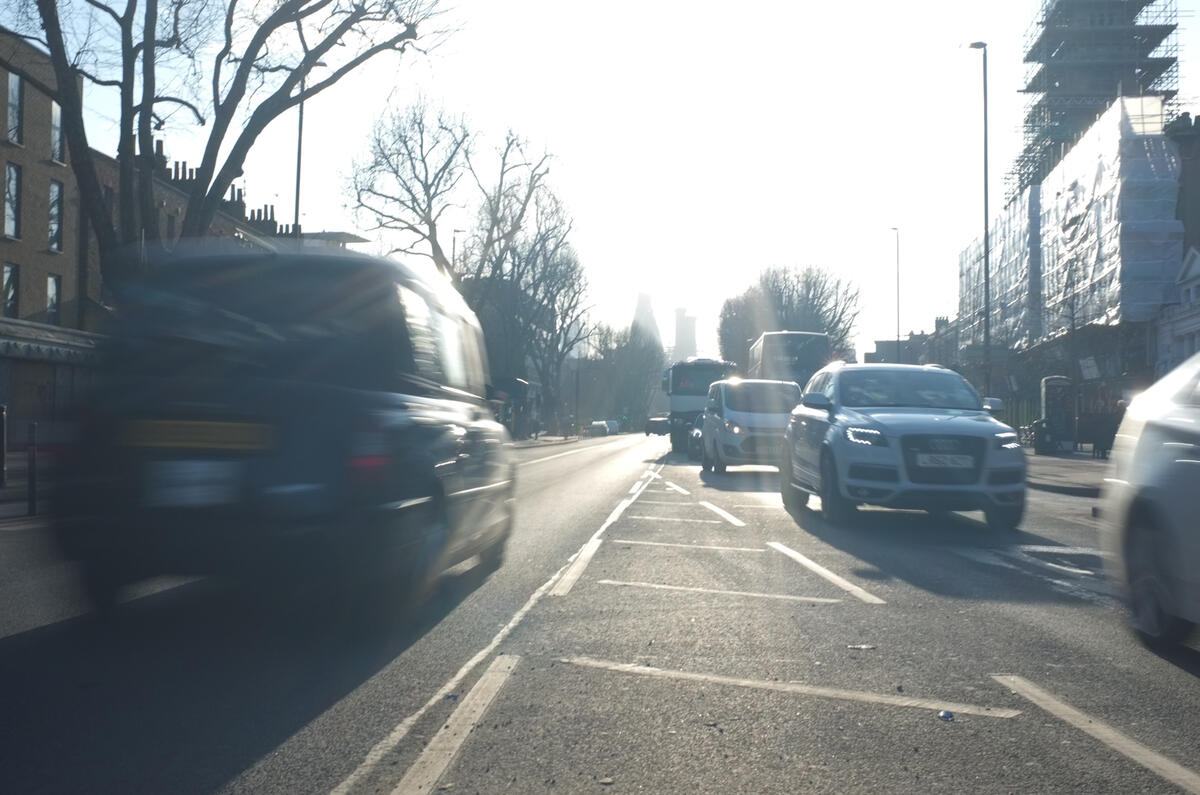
x=978, y=45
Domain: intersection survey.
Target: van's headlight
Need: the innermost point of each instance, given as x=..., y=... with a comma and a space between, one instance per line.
x=869, y=436
x=1007, y=441
x=733, y=427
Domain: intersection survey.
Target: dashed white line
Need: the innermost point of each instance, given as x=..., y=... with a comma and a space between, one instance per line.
x=781, y=597
x=1168, y=769
x=816, y=568
x=575, y=570
x=676, y=519
x=676, y=503
x=724, y=514
x=437, y=756
x=688, y=546
x=679, y=489
x=796, y=688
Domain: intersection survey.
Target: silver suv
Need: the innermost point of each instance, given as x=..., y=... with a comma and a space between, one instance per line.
x=901, y=436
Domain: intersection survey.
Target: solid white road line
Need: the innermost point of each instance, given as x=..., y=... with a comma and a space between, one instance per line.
x=797, y=688
x=724, y=514
x=637, y=485
x=781, y=597
x=679, y=489
x=1172, y=771
x=663, y=502
x=817, y=568
x=688, y=546
x=675, y=519
x=575, y=570
x=440, y=752
x=389, y=744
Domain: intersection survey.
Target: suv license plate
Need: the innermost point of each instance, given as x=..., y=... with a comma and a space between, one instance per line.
x=192, y=484
x=944, y=461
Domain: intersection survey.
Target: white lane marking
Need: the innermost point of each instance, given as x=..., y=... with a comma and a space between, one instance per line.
x=637, y=485
x=675, y=519
x=724, y=514
x=573, y=573
x=774, y=507
x=650, y=473
x=688, y=546
x=679, y=489
x=837, y=580
x=1044, y=549
x=440, y=752
x=781, y=597
x=396, y=736
x=663, y=502
x=796, y=688
x=1168, y=769
x=572, y=452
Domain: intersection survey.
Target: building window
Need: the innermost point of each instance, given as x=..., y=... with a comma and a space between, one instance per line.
x=53, y=289
x=56, y=215
x=57, y=149
x=16, y=107
x=12, y=290
x=12, y=201
x=171, y=228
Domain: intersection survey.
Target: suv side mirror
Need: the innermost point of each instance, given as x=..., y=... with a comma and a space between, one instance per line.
x=993, y=405
x=817, y=400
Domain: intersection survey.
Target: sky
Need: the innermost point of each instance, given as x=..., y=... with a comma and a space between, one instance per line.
x=697, y=143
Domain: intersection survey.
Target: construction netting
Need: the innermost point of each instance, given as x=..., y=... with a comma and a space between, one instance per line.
x=1096, y=243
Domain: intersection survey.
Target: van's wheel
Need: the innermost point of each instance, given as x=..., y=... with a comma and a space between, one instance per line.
x=718, y=464
x=1149, y=595
x=834, y=507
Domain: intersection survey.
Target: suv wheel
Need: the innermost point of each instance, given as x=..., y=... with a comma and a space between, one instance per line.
x=834, y=507
x=1005, y=519
x=1149, y=597
x=718, y=463
x=793, y=498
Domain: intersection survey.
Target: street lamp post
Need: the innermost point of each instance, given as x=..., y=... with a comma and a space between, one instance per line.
x=899, y=356
x=987, y=275
x=454, y=248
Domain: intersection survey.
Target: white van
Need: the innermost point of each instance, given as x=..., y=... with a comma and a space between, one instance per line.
x=744, y=422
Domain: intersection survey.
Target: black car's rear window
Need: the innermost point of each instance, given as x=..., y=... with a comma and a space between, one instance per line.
x=322, y=321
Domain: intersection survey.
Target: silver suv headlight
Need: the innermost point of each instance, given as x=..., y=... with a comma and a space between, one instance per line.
x=867, y=436
x=1007, y=440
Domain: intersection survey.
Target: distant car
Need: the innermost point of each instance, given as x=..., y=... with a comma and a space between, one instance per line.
x=696, y=438
x=614, y=427
x=598, y=428
x=744, y=422
x=902, y=436
x=658, y=425
x=287, y=410
x=1149, y=506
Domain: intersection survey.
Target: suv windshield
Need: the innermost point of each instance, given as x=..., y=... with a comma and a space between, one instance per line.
x=907, y=388
x=762, y=398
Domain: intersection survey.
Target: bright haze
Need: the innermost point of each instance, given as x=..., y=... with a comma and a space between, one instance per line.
x=696, y=143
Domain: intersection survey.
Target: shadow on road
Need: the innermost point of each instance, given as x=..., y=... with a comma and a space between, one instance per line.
x=184, y=690
x=743, y=479
x=885, y=541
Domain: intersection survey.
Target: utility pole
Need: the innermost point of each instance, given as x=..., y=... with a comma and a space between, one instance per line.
x=987, y=275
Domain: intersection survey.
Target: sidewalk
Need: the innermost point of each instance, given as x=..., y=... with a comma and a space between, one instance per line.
x=1074, y=474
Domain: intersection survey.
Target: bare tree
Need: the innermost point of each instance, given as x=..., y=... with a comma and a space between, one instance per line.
x=791, y=299
x=268, y=58
x=563, y=325
x=417, y=158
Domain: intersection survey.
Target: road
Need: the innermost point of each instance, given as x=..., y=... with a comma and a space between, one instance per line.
x=653, y=629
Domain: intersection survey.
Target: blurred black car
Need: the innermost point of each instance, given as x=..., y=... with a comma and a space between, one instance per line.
x=319, y=411
x=658, y=425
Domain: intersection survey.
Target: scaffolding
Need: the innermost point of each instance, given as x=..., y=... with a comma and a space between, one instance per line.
x=1082, y=55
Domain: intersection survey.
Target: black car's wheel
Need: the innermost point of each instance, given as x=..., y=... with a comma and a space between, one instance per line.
x=1005, y=519
x=1149, y=595
x=834, y=507
x=793, y=498
x=492, y=558
x=102, y=584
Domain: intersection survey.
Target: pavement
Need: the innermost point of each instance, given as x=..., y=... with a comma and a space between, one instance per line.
x=1075, y=474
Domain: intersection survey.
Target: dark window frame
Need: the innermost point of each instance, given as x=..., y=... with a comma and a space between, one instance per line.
x=12, y=200
x=53, y=299
x=10, y=290
x=54, y=229
x=14, y=101
x=58, y=148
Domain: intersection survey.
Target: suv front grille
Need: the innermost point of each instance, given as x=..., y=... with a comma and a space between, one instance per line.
x=936, y=444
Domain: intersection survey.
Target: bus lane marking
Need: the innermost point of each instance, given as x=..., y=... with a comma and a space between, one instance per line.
x=859, y=593
x=819, y=600
x=724, y=514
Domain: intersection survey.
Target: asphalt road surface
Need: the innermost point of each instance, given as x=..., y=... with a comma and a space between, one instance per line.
x=653, y=629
